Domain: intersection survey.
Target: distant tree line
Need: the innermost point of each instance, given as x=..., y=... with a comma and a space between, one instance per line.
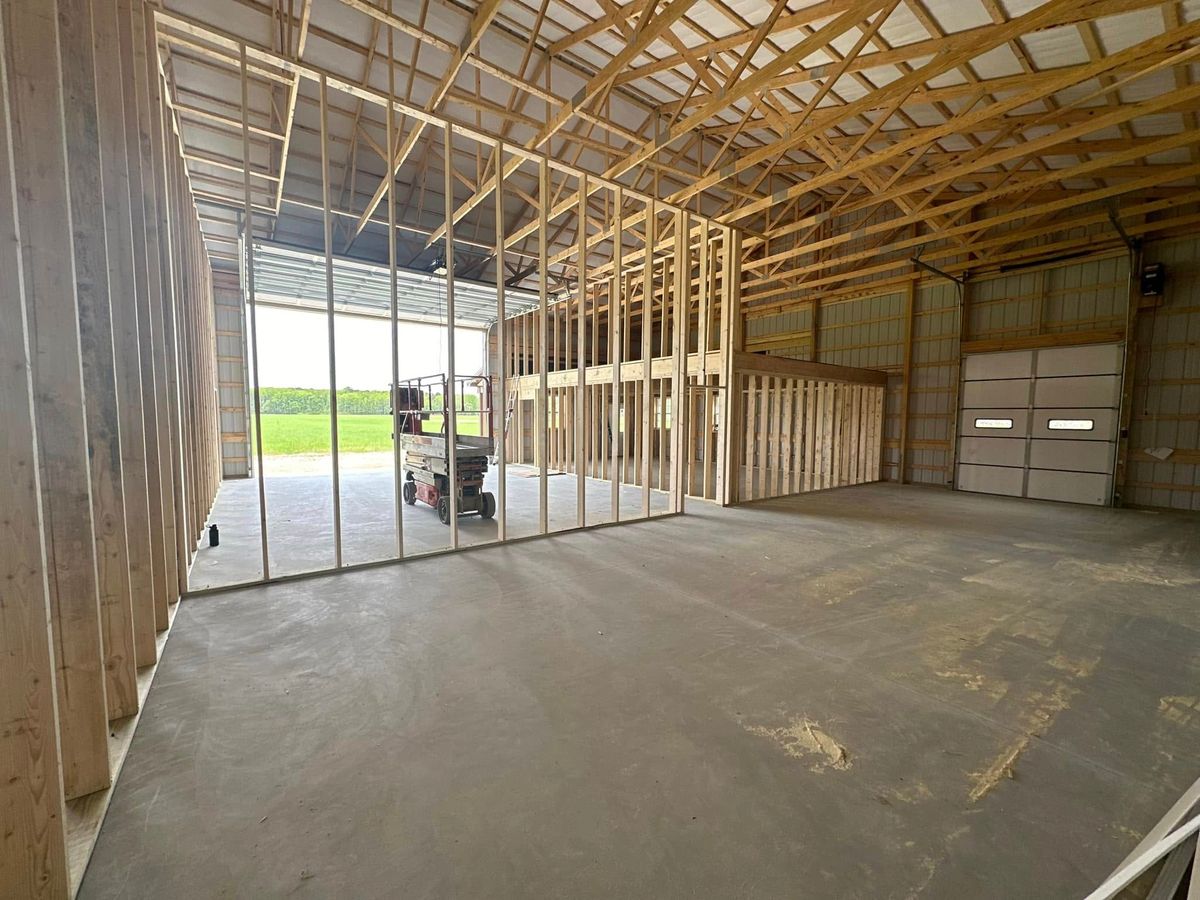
x=315, y=401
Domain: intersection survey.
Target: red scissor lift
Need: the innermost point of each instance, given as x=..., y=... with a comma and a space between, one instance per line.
x=426, y=455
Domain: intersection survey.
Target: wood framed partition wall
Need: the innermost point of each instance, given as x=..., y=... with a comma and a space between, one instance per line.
x=806, y=426
x=612, y=416
x=641, y=259
x=793, y=426
x=108, y=368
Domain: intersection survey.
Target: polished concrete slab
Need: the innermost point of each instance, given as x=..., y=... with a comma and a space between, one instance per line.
x=878, y=691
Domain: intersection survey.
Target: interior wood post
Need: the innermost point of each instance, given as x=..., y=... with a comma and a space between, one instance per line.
x=33, y=854
x=541, y=420
x=43, y=212
x=910, y=303
x=1129, y=372
x=964, y=331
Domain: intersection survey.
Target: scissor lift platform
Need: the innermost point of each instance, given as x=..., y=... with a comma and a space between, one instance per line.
x=427, y=474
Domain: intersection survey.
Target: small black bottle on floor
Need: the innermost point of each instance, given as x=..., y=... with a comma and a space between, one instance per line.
x=214, y=536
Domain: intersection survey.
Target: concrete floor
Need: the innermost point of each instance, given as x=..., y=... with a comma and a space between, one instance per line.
x=300, y=518
x=870, y=692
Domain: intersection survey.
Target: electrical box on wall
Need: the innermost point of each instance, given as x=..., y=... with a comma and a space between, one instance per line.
x=1154, y=280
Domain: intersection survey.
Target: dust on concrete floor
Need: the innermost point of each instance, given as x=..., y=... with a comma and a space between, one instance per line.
x=869, y=692
x=300, y=517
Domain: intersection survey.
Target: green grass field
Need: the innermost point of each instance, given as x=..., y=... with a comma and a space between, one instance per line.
x=288, y=435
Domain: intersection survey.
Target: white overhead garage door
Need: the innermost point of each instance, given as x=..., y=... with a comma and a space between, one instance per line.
x=1041, y=423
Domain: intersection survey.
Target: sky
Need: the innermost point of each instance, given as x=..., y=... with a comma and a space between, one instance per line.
x=293, y=350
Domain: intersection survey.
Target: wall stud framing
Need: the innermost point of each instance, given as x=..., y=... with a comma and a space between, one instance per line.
x=330, y=325
x=448, y=400
x=252, y=304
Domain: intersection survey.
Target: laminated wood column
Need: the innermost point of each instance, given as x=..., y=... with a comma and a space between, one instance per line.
x=43, y=212
x=33, y=856
x=118, y=228
x=910, y=302
x=99, y=364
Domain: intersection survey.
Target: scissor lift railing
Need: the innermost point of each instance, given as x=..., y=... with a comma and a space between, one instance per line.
x=1173, y=841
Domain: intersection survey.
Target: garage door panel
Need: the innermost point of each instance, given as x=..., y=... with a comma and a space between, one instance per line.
x=990, y=394
x=1085, y=390
x=1094, y=359
x=1040, y=424
x=1069, y=487
x=990, y=366
x=975, y=421
x=993, y=451
x=1104, y=424
x=991, y=479
x=1075, y=456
